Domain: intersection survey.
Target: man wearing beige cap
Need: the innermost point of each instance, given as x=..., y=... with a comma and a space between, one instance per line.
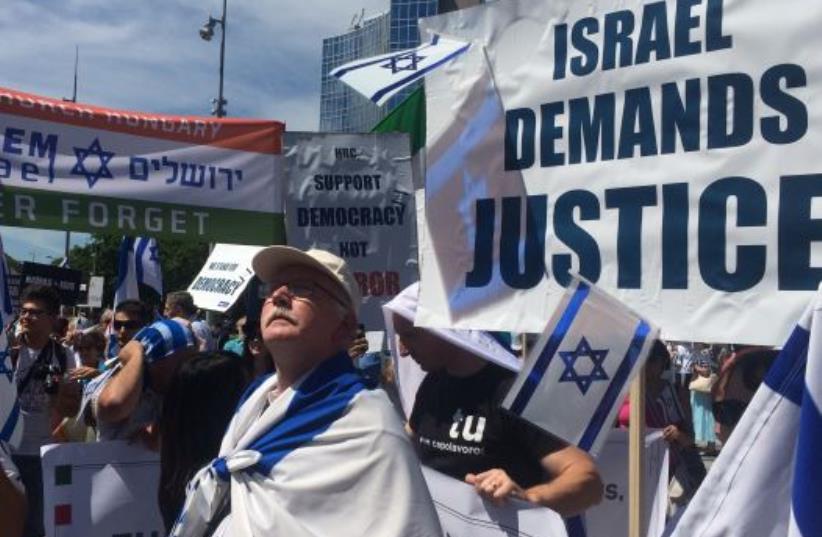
x=310, y=450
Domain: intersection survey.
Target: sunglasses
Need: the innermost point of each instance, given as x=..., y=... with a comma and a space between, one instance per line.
x=128, y=325
x=299, y=289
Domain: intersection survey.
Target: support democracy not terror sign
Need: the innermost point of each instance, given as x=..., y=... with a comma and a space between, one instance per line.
x=352, y=194
x=663, y=150
x=83, y=168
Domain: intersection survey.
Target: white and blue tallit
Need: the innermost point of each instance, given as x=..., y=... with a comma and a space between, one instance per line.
x=327, y=457
x=767, y=481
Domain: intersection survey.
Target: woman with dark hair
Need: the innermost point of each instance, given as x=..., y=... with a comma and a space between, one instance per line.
x=201, y=400
x=664, y=410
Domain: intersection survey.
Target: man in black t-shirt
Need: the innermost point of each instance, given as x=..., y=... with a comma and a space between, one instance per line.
x=459, y=429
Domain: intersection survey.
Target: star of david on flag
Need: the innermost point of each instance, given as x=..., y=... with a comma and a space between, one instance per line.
x=381, y=77
x=404, y=62
x=578, y=373
x=92, y=163
x=570, y=358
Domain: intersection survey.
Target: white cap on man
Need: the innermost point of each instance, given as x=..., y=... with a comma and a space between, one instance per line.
x=268, y=262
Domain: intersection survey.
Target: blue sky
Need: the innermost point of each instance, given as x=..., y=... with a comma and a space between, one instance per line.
x=147, y=55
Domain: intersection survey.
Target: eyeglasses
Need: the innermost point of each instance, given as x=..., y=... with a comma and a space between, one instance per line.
x=299, y=289
x=31, y=312
x=128, y=325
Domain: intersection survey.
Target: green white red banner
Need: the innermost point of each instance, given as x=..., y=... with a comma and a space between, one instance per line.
x=85, y=168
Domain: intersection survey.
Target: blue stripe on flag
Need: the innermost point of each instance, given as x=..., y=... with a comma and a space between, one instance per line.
x=320, y=400
x=11, y=423
x=807, y=492
x=418, y=74
x=575, y=526
x=615, y=387
x=787, y=374
x=368, y=63
x=122, y=266
x=531, y=382
x=142, y=244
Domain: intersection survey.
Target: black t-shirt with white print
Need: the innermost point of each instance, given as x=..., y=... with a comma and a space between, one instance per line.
x=459, y=428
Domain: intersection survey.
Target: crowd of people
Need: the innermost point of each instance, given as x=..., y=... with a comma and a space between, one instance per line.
x=264, y=423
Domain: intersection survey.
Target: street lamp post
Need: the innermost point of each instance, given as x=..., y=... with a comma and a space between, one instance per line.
x=206, y=33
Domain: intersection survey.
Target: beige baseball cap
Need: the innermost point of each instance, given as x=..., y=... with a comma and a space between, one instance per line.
x=271, y=260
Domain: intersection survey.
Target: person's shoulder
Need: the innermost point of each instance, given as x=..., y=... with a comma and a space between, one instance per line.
x=375, y=410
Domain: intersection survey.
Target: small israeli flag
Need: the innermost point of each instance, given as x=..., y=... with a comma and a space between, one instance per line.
x=11, y=426
x=767, y=481
x=381, y=77
x=578, y=373
x=138, y=262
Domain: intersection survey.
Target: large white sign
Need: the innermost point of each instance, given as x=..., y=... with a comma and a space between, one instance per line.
x=610, y=517
x=78, y=167
x=101, y=489
x=224, y=276
x=664, y=150
x=464, y=514
x=352, y=194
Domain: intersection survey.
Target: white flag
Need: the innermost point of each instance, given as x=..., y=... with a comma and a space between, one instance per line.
x=767, y=481
x=138, y=262
x=381, y=77
x=11, y=426
x=578, y=373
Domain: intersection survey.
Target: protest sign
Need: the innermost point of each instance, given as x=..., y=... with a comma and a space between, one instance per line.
x=83, y=168
x=225, y=275
x=102, y=489
x=464, y=514
x=666, y=152
x=95, y=291
x=66, y=281
x=352, y=194
x=610, y=517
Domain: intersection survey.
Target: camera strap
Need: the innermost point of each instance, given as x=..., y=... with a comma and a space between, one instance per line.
x=43, y=358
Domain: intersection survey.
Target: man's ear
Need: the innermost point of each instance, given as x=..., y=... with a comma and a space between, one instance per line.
x=346, y=330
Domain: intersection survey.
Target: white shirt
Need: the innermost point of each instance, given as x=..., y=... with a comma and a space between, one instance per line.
x=35, y=410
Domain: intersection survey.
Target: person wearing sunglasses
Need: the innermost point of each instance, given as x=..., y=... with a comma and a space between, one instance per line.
x=129, y=317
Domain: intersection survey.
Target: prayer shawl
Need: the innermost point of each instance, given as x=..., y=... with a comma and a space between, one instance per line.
x=326, y=457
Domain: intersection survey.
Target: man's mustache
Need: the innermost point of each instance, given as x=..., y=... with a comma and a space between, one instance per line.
x=280, y=313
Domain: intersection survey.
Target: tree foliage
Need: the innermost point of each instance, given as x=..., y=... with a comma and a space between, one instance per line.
x=180, y=259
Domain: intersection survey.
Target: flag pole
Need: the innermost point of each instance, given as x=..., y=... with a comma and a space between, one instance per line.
x=636, y=449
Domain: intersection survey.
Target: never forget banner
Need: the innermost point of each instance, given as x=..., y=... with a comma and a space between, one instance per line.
x=663, y=150
x=84, y=168
x=352, y=194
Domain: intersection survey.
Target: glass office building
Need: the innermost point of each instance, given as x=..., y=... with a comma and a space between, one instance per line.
x=341, y=108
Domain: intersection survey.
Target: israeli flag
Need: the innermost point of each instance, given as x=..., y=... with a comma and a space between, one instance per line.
x=138, y=262
x=381, y=77
x=325, y=457
x=767, y=481
x=11, y=426
x=579, y=372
